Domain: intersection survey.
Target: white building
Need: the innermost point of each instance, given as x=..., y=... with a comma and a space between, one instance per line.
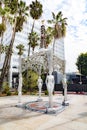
x=59, y=48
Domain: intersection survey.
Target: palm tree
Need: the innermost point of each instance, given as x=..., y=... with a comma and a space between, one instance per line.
x=2, y=48
x=59, y=26
x=33, y=40
x=3, y=13
x=48, y=36
x=35, y=12
x=20, y=47
x=18, y=11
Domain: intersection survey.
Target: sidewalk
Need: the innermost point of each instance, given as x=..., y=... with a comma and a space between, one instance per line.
x=74, y=117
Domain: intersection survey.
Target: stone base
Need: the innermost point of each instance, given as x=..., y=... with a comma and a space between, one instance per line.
x=54, y=110
x=19, y=104
x=39, y=99
x=43, y=107
x=65, y=103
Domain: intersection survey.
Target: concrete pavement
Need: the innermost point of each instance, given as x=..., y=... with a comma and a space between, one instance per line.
x=74, y=117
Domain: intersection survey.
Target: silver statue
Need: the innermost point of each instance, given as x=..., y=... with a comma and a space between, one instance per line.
x=50, y=87
x=40, y=83
x=64, y=82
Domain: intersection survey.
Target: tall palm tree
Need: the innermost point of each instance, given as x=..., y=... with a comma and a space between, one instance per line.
x=35, y=12
x=59, y=26
x=20, y=47
x=33, y=40
x=18, y=11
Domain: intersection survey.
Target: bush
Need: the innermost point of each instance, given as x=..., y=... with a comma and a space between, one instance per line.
x=24, y=91
x=8, y=93
x=5, y=88
x=16, y=93
x=46, y=92
x=30, y=80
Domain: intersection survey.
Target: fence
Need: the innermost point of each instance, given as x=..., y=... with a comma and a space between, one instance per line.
x=70, y=87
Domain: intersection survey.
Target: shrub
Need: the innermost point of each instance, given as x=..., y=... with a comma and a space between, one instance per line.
x=46, y=92
x=5, y=88
x=24, y=91
x=8, y=93
x=16, y=93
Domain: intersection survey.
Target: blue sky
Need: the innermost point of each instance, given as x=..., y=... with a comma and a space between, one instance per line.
x=76, y=36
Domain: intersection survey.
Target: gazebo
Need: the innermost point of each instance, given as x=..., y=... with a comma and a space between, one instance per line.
x=41, y=59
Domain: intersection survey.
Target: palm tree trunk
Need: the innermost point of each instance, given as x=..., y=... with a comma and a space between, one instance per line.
x=7, y=60
x=33, y=26
x=31, y=33
x=20, y=81
x=29, y=48
x=1, y=45
x=3, y=21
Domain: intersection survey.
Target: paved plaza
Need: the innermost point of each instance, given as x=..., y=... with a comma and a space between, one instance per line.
x=73, y=117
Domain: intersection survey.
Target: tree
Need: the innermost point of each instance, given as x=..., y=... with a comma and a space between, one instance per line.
x=48, y=36
x=59, y=26
x=2, y=48
x=33, y=40
x=82, y=63
x=3, y=14
x=31, y=83
x=20, y=47
x=35, y=12
x=18, y=14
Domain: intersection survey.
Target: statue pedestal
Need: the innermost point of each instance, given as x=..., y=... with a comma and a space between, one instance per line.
x=55, y=110
x=39, y=99
x=19, y=104
x=51, y=110
x=65, y=103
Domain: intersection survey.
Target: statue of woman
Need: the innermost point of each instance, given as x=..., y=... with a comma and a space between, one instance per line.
x=50, y=87
x=64, y=82
x=40, y=82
